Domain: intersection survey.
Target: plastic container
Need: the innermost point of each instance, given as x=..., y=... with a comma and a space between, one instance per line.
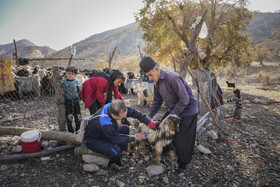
x=30, y=141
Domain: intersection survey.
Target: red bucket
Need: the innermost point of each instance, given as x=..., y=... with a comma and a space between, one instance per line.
x=30, y=141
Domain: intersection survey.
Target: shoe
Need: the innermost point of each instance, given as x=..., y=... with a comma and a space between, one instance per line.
x=239, y=121
x=178, y=173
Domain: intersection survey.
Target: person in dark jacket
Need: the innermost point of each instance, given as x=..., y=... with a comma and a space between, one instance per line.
x=172, y=89
x=104, y=135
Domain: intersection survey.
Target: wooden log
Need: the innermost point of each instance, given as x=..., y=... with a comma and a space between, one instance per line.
x=22, y=156
x=47, y=135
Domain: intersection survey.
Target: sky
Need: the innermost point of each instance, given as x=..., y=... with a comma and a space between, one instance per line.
x=61, y=23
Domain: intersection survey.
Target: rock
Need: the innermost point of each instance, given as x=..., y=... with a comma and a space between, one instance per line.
x=95, y=159
x=90, y=167
x=101, y=172
x=4, y=167
x=209, y=125
x=17, y=149
x=44, y=144
x=203, y=149
x=202, y=129
x=120, y=183
x=45, y=158
x=165, y=180
x=16, y=138
x=212, y=134
x=252, y=117
x=154, y=170
x=140, y=162
x=229, y=167
x=246, y=101
x=261, y=101
x=147, y=158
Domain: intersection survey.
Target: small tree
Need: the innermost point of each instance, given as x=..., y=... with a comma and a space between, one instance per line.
x=261, y=52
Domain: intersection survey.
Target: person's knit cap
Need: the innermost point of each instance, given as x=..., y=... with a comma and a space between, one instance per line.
x=147, y=64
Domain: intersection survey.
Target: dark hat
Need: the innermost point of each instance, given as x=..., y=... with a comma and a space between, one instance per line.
x=147, y=64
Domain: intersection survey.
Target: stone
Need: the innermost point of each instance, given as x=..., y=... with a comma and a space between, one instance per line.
x=212, y=134
x=261, y=101
x=229, y=167
x=120, y=183
x=101, y=172
x=146, y=158
x=90, y=167
x=95, y=159
x=165, y=180
x=154, y=170
x=4, y=167
x=203, y=149
x=17, y=149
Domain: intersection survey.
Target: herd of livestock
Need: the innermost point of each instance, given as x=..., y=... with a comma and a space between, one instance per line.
x=38, y=82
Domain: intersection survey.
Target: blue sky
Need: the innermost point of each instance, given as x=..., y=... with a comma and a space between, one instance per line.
x=60, y=23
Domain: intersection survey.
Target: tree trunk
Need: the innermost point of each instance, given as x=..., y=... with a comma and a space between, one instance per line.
x=47, y=135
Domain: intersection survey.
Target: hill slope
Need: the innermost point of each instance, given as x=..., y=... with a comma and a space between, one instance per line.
x=26, y=49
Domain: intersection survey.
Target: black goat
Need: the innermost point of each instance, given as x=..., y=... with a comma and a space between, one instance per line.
x=230, y=85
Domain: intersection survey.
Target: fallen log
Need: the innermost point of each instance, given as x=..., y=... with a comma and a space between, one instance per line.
x=47, y=135
x=37, y=154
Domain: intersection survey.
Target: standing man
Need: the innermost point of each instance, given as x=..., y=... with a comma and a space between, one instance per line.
x=172, y=88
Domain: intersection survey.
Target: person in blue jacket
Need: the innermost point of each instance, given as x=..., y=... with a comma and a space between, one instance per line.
x=70, y=87
x=104, y=135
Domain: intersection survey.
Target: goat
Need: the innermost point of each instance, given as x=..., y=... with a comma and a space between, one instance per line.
x=163, y=135
x=230, y=85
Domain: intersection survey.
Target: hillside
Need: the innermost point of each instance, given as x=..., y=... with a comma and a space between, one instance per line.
x=99, y=46
x=26, y=49
x=263, y=24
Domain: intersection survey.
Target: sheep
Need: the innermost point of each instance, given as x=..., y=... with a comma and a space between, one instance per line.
x=129, y=84
x=29, y=84
x=145, y=92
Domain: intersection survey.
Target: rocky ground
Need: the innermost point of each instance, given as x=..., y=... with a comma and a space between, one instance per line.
x=248, y=154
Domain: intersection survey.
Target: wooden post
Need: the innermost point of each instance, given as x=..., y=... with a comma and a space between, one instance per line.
x=16, y=53
x=139, y=48
x=59, y=100
x=69, y=63
x=111, y=57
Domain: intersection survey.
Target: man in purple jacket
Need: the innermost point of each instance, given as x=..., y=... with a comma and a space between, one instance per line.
x=172, y=88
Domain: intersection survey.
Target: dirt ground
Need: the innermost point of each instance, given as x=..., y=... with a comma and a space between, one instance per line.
x=248, y=154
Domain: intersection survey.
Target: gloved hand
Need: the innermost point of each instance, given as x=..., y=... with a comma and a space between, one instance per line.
x=152, y=125
x=157, y=126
